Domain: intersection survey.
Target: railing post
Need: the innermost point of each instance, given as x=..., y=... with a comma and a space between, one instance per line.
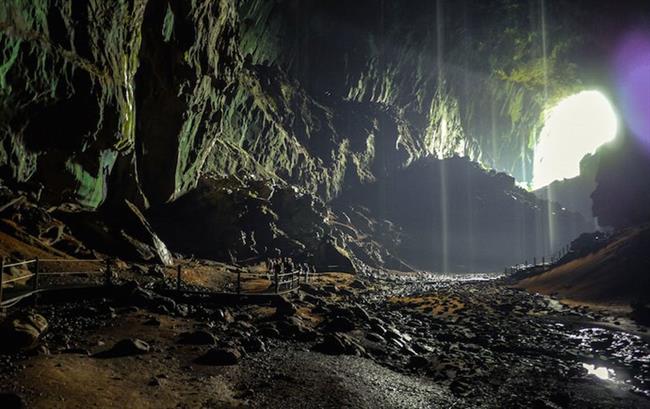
x=2, y=270
x=277, y=282
x=178, y=277
x=36, y=266
x=109, y=272
x=238, y=282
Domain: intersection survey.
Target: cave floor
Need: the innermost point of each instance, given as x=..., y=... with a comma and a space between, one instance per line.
x=407, y=343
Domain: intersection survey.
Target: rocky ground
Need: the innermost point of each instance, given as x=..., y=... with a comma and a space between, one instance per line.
x=370, y=341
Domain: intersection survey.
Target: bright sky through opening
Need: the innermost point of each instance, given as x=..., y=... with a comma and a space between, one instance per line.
x=576, y=126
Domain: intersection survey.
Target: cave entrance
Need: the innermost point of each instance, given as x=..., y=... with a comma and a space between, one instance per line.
x=573, y=128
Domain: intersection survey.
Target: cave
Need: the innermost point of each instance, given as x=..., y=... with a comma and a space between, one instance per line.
x=320, y=204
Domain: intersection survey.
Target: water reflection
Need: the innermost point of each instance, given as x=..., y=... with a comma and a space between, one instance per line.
x=606, y=374
x=628, y=353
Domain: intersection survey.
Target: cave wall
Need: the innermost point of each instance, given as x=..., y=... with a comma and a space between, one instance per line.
x=113, y=99
x=622, y=191
x=139, y=99
x=136, y=99
x=67, y=92
x=470, y=76
x=98, y=110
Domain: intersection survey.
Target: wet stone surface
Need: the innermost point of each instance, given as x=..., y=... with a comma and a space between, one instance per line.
x=508, y=345
x=387, y=342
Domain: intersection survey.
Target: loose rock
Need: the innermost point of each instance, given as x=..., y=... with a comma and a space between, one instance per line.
x=220, y=356
x=125, y=347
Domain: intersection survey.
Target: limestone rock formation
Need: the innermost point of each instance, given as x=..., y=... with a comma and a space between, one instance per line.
x=622, y=193
x=232, y=219
x=107, y=102
x=136, y=99
x=455, y=216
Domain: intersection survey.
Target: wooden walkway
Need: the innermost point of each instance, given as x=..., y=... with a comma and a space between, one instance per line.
x=44, y=280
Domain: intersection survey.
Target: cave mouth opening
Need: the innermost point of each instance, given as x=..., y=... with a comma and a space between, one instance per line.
x=573, y=128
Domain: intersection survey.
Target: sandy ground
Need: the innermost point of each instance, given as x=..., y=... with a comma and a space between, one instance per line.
x=168, y=377
x=611, y=277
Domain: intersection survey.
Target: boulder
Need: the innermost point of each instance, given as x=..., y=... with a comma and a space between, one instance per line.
x=339, y=324
x=22, y=331
x=254, y=344
x=374, y=337
x=312, y=299
x=224, y=315
x=342, y=311
x=294, y=327
x=338, y=344
x=358, y=284
x=463, y=387
x=269, y=330
x=422, y=347
x=141, y=297
x=125, y=347
x=284, y=307
x=361, y=313
x=220, y=357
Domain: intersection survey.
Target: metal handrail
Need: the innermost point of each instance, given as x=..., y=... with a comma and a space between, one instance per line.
x=288, y=274
x=20, y=263
x=17, y=279
x=64, y=273
x=36, y=274
x=287, y=285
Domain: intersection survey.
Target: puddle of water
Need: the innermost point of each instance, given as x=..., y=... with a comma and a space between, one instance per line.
x=601, y=372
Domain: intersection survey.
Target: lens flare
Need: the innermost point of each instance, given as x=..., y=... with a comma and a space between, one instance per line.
x=633, y=79
x=575, y=127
